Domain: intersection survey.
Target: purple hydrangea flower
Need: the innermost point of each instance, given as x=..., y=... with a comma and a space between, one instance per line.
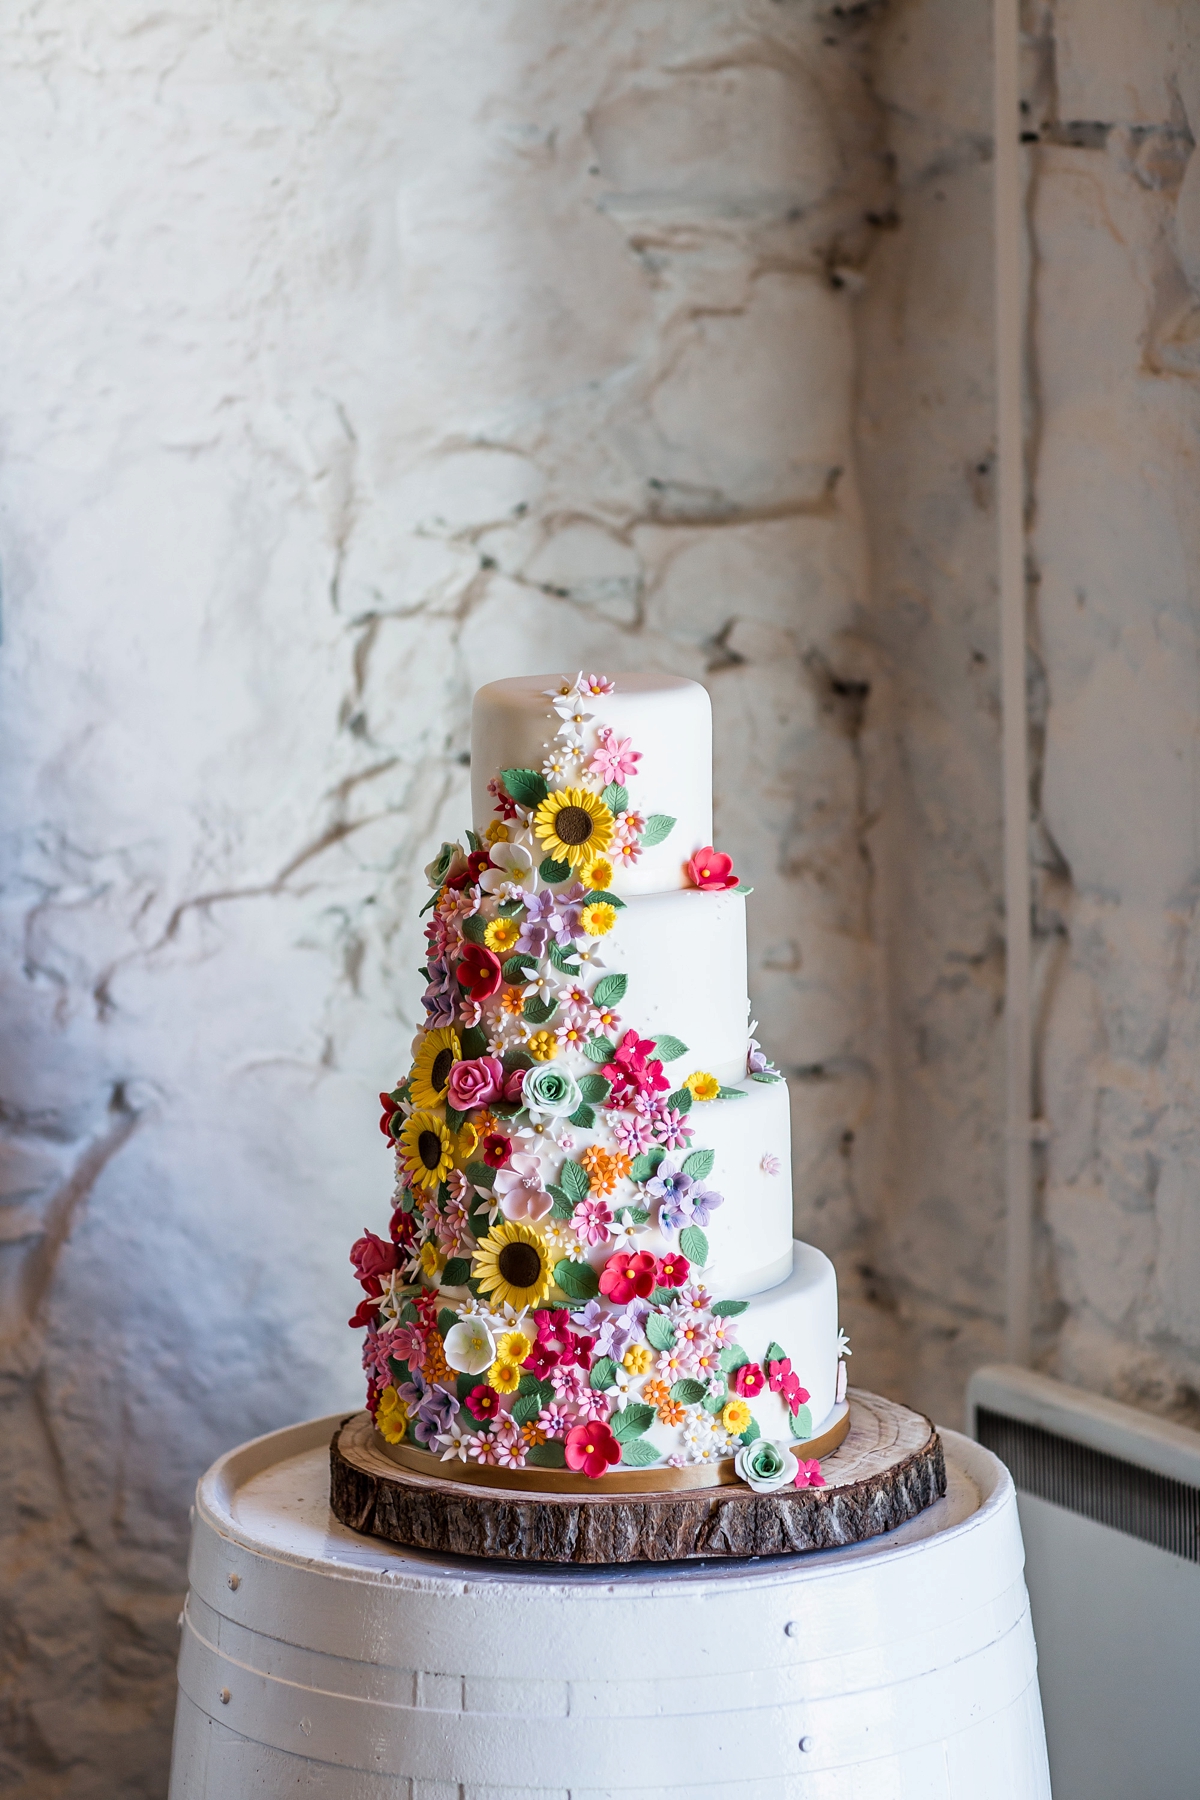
x=440, y=997
x=702, y=1202
x=757, y=1062
x=618, y=1332
x=436, y=1409
x=672, y=1188
x=538, y=922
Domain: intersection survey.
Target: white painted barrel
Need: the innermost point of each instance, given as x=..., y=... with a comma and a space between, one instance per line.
x=321, y=1663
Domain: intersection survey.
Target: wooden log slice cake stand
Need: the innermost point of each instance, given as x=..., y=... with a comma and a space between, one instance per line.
x=887, y=1468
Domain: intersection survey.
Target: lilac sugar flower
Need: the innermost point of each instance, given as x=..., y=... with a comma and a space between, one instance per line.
x=701, y=1203
x=435, y=1409
x=757, y=1062
x=538, y=923
x=564, y=921
x=672, y=1188
x=619, y=1331
x=441, y=996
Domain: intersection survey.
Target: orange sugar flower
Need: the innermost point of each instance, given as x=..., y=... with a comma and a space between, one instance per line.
x=605, y=1168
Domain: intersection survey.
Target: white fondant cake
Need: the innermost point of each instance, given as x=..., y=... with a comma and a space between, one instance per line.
x=590, y=1267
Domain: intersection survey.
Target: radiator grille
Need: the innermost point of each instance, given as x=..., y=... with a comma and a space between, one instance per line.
x=1143, y=1504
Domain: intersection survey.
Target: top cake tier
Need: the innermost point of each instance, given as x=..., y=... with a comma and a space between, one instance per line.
x=669, y=720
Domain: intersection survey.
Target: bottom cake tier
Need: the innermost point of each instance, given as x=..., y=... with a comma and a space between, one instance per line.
x=668, y=1391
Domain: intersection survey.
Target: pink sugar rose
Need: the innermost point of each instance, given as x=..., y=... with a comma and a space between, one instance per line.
x=372, y=1257
x=476, y=1082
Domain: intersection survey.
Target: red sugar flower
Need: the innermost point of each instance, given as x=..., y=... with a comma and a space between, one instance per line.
x=484, y=1402
x=628, y=1275
x=673, y=1269
x=748, y=1380
x=477, y=862
x=372, y=1257
x=591, y=1448
x=711, y=868
x=809, y=1474
x=497, y=1148
x=784, y=1381
x=390, y=1109
x=479, y=971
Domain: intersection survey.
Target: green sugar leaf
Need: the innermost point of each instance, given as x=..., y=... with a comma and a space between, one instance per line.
x=480, y=1175
x=636, y=1453
x=526, y=1408
x=522, y=960
x=599, y=1050
x=553, y=872
x=694, y=1245
x=465, y=1384
x=751, y=1432
x=668, y=1048
x=578, y=1281
x=474, y=1042
x=632, y=1422
x=763, y=1076
x=712, y=1403
x=659, y=827
x=800, y=1424
x=563, y=1206
x=610, y=989
x=775, y=1353
x=529, y=1385
x=474, y=928
x=549, y=1455
x=574, y=1181
x=643, y=1167
x=408, y=1314
x=728, y=1093
x=454, y=1119
x=474, y=840
x=615, y=797
x=602, y=896
x=475, y=1287
x=584, y=1116
x=447, y=1318
x=525, y=786
x=664, y=1296
x=456, y=1272
x=561, y=959
x=595, y=1088
x=660, y=1333
x=508, y=909
x=688, y=1392
x=515, y=1059
x=681, y=1100
x=604, y=1373
x=743, y=887
x=635, y=1215
x=539, y=1012
x=729, y=1309
x=698, y=1164
x=731, y=1358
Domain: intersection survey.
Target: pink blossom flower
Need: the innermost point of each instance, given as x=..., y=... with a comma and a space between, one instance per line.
x=408, y=1345
x=591, y=1222
x=785, y=1381
x=626, y=853
x=671, y=1128
x=748, y=1380
x=555, y=1421
x=770, y=1164
x=809, y=1475
x=568, y=1384
x=615, y=759
x=711, y=870
x=510, y=1445
x=483, y=1449
x=628, y=827
x=634, y=1136
x=594, y=685
x=519, y=1188
x=591, y=1405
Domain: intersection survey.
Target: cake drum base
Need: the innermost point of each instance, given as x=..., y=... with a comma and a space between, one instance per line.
x=889, y=1467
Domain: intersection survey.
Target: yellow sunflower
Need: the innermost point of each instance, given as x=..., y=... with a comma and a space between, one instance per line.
x=512, y=1264
x=427, y=1149
x=438, y=1054
x=574, y=826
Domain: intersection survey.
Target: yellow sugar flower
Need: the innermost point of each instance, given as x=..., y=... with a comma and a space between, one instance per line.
x=702, y=1086
x=504, y=1376
x=466, y=1143
x=501, y=936
x=637, y=1359
x=735, y=1417
x=427, y=1149
x=432, y=1260
x=597, y=918
x=597, y=874
x=543, y=1046
x=439, y=1052
x=512, y=1264
x=574, y=825
x=496, y=833
x=513, y=1346
x=391, y=1416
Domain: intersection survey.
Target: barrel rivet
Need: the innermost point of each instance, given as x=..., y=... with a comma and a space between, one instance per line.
x=235, y=1582
x=226, y=1696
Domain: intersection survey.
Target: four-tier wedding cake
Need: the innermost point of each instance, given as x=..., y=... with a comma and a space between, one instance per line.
x=590, y=1275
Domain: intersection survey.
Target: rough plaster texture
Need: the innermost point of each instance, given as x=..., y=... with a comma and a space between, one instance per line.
x=370, y=352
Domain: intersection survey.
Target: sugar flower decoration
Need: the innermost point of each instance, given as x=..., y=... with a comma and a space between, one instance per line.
x=574, y=826
x=614, y=759
x=765, y=1466
x=470, y=1347
x=711, y=869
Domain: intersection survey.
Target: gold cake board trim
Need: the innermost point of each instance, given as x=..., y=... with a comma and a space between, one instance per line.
x=533, y=1481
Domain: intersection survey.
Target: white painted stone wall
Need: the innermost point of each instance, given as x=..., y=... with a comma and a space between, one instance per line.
x=357, y=355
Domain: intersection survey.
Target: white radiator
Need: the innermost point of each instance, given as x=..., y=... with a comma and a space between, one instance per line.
x=1109, y=1499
